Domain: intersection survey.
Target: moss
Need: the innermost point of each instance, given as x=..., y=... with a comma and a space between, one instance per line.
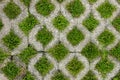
x=27, y=54
x=11, y=40
x=106, y=38
x=59, y=76
x=75, y=36
x=60, y=22
x=74, y=66
x=106, y=9
x=12, y=10
x=28, y=23
x=43, y=66
x=44, y=7
x=76, y=8
x=11, y=70
x=104, y=66
x=116, y=51
x=90, y=76
x=90, y=22
x=116, y=23
x=59, y=51
x=44, y=36
x=90, y=51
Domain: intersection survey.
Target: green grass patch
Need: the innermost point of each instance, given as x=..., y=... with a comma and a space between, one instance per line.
x=75, y=36
x=117, y=77
x=60, y=22
x=27, y=54
x=1, y=24
x=26, y=2
x=116, y=23
x=92, y=1
x=11, y=40
x=3, y=55
x=44, y=36
x=28, y=23
x=104, y=66
x=44, y=7
x=59, y=76
x=90, y=76
x=74, y=66
x=116, y=51
x=90, y=22
x=59, y=51
x=106, y=9
x=90, y=51
x=118, y=1
x=28, y=76
x=76, y=8
x=43, y=66
x=11, y=70
x=106, y=38
x=60, y=1
x=12, y=10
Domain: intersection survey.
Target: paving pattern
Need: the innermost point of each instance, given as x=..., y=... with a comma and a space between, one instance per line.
x=59, y=37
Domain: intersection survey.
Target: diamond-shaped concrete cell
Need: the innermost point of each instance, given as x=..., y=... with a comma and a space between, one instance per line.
x=75, y=36
x=27, y=54
x=60, y=22
x=74, y=66
x=11, y=70
x=44, y=7
x=59, y=51
x=11, y=40
x=76, y=8
x=90, y=51
x=12, y=10
x=106, y=37
x=27, y=24
x=44, y=36
x=43, y=66
x=104, y=66
x=90, y=22
x=106, y=9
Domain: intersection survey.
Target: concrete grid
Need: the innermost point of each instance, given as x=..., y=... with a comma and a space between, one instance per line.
x=60, y=36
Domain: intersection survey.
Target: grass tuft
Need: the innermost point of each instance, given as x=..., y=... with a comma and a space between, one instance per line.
x=11, y=40
x=12, y=10
x=59, y=51
x=74, y=66
x=76, y=8
x=106, y=38
x=43, y=66
x=44, y=7
x=44, y=36
x=11, y=70
x=75, y=36
x=106, y=9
